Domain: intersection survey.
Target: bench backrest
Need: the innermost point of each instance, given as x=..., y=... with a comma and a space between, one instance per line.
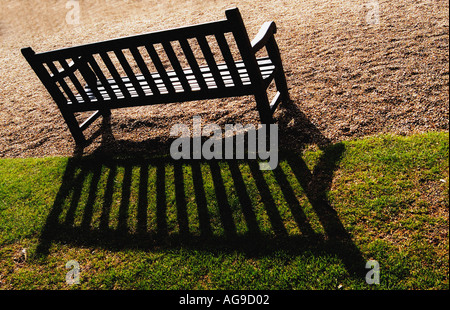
x=63, y=72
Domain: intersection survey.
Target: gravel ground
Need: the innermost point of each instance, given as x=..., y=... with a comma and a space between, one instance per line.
x=351, y=72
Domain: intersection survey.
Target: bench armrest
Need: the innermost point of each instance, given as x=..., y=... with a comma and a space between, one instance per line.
x=268, y=29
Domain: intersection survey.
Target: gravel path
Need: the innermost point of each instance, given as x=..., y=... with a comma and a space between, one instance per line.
x=351, y=72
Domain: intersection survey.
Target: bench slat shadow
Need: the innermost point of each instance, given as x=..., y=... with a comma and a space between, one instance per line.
x=157, y=233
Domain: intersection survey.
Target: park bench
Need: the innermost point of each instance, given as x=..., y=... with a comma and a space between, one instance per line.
x=78, y=82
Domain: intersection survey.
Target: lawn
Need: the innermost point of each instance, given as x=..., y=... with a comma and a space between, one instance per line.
x=155, y=223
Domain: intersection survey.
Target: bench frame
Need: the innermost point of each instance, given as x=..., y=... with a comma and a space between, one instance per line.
x=84, y=63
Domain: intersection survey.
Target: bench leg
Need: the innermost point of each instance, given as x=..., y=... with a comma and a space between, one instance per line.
x=77, y=130
x=105, y=112
x=74, y=128
x=262, y=104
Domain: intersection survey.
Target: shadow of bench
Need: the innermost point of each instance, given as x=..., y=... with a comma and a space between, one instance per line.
x=143, y=202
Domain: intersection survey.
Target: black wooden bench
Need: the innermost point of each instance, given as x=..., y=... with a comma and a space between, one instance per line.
x=77, y=83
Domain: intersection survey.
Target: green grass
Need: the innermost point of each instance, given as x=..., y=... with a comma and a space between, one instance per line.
x=152, y=223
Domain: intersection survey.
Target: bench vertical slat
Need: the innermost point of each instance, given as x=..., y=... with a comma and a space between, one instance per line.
x=187, y=50
x=115, y=74
x=176, y=65
x=206, y=50
x=160, y=68
x=103, y=81
x=225, y=49
x=89, y=76
x=129, y=72
x=144, y=69
x=62, y=82
x=75, y=81
x=101, y=76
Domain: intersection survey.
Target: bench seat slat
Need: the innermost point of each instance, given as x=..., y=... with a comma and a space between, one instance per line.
x=122, y=102
x=266, y=68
